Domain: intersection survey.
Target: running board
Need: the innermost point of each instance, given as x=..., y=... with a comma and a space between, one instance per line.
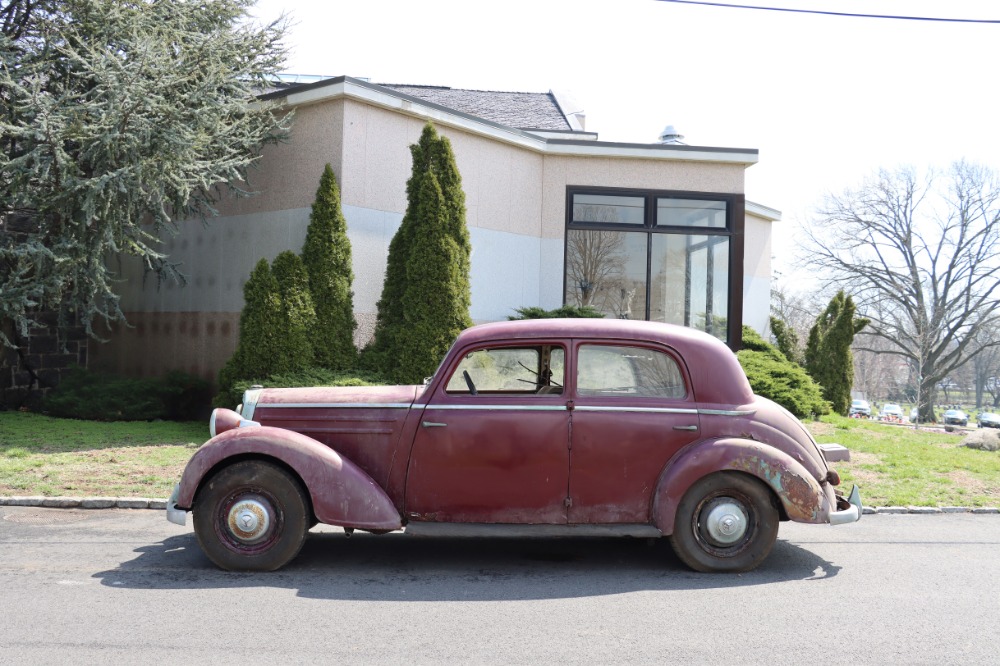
x=491, y=530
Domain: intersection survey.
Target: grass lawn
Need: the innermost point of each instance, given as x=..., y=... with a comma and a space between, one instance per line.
x=40, y=455
x=900, y=466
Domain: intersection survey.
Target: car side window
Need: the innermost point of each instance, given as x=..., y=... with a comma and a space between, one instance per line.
x=538, y=370
x=613, y=370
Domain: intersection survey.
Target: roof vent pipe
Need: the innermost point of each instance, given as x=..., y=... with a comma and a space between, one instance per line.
x=669, y=135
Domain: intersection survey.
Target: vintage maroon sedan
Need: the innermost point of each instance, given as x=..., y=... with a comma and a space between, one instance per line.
x=573, y=427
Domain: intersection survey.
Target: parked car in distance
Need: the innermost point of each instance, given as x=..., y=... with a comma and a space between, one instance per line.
x=539, y=427
x=860, y=408
x=988, y=420
x=956, y=417
x=891, y=412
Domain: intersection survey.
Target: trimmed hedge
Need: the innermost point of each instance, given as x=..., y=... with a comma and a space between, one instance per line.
x=773, y=376
x=96, y=396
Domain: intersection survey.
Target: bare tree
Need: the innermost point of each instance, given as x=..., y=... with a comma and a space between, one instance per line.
x=594, y=259
x=920, y=257
x=986, y=371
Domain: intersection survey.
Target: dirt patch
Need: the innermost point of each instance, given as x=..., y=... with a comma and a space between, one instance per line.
x=819, y=429
x=974, y=485
x=863, y=476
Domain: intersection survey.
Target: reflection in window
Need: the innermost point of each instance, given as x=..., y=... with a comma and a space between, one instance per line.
x=510, y=370
x=629, y=372
x=690, y=282
x=608, y=209
x=607, y=271
x=702, y=213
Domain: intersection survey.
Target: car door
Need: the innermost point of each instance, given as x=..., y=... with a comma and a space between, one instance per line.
x=492, y=445
x=632, y=411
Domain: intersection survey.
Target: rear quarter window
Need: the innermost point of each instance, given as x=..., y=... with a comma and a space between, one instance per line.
x=618, y=370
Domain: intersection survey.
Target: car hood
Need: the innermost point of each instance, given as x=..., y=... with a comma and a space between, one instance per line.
x=330, y=396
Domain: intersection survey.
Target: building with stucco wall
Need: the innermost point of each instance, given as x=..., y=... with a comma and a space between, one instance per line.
x=659, y=230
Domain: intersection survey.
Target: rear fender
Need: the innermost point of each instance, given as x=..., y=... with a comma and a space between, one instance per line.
x=341, y=492
x=803, y=498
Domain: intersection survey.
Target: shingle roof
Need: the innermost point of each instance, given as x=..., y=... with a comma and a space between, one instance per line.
x=521, y=110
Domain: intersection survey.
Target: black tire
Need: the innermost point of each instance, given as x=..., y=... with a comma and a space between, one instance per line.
x=270, y=500
x=726, y=522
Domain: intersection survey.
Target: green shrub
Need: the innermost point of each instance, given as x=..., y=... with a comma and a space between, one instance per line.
x=96, y=396
x=293, y=350
x=566, y=311
x=186, y=397
x=311, y=376
x=327, y=258
x=260, y=331
x=828, y=357
x=773, y=376
x=427, y=278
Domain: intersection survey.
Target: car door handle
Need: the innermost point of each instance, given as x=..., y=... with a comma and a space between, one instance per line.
x=432, y=424
x=688, y=427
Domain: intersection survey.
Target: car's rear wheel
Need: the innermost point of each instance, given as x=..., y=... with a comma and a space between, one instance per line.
x=251, y=516
x=726, y=522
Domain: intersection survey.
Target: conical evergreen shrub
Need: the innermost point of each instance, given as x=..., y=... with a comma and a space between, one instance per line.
x=327, y=258
x=260, y=331
x=443, y=217
x=293, y=348
x=828, y=350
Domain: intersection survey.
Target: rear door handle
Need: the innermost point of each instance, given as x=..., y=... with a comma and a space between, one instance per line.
x=432, y=424
x=688, y=427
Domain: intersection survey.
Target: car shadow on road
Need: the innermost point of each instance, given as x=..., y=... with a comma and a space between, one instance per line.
x=404, y=568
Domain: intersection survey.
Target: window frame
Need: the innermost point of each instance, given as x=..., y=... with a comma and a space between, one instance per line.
x=734, y=230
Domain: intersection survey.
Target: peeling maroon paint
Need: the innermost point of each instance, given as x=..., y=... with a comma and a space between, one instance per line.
x=374, y=458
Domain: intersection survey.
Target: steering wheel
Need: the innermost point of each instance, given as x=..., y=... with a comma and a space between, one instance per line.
x=469, y=383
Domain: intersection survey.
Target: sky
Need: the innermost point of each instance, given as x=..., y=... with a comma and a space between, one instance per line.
x=827, y=100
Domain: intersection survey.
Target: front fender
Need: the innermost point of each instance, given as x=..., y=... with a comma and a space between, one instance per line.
x=341, y=492
x=803, y=498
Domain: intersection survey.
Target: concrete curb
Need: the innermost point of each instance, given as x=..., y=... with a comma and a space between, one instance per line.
x=145, y=503
x=85, y=502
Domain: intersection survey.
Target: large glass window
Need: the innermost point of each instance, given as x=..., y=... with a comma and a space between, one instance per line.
x=690, y=281
x=654, y=255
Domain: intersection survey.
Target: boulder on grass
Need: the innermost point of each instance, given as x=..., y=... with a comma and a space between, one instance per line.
x=983, y=439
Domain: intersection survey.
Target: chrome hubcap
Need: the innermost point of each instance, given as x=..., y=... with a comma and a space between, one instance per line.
x=726, y=522
x=249, y=520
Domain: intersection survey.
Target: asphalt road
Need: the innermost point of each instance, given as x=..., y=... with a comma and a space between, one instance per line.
x=122, y=587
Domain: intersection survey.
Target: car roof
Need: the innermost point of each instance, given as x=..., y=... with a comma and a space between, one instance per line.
x=715, y=372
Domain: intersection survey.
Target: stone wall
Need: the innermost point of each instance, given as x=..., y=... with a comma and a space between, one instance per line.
x=38, y=362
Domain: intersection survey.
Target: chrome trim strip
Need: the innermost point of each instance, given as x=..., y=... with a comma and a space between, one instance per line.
x=658, y=410
x=331, y=405
x=727, y=412
x=499, y=408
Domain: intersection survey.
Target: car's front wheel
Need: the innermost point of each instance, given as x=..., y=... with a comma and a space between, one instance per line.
x=251, y=516
x=726, y=522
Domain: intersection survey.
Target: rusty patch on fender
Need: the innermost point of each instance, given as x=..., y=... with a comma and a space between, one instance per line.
x=798, y=496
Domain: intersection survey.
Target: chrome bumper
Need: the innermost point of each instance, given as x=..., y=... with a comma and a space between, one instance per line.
x=849, y=514
x=175, y=515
